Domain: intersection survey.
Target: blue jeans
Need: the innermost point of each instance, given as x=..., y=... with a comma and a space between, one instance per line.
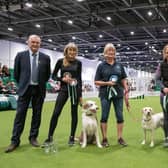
x=118, y=108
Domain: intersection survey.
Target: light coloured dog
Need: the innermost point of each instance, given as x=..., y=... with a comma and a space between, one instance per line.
x=89, y=124
x=150, y=122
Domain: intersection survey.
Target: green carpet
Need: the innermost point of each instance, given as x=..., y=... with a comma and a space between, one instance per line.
x=133, y=156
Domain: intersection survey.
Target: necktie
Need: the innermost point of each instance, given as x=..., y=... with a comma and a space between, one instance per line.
x=34, y=69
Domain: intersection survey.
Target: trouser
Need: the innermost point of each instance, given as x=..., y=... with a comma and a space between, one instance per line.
x=33, y=95
x=165, y=111
x=60, y=102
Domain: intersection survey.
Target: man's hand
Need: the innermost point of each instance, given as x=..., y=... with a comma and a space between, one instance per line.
x=80, y=101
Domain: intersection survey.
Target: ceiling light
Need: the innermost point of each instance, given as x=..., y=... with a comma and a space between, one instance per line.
x=108, y=18
x=38, y=25
x=10, y=28
x=70, y=21
x=86, y=51
x=94, y=46
x=54, y=49
x=80, y=0
x=118, y=45
x=146, y=43
x=49, y=40
x=132, y=33
x=100, y=35
x=29, y=5
x=128, y=48
x=150, y=13
x=73, y=37
x=164, y=30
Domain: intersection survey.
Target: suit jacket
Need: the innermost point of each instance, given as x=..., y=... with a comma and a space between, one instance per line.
x=22, y=71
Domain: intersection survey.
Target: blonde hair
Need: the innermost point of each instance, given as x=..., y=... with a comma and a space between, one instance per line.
x=164, y=50
x=107, y=46
x=69, y=45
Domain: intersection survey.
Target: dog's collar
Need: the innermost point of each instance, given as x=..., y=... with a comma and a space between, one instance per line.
x=146, y=120
x=89, y=114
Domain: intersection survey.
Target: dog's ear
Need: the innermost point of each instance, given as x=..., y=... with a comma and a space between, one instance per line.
x=85, y=106
x=143, y=109
x=151, y=109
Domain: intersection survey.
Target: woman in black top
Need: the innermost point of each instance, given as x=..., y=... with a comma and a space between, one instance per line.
x=71, y=86
x=162, y=78
x=111, y=78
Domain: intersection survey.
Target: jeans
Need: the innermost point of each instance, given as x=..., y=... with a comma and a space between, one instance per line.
x=118, y=108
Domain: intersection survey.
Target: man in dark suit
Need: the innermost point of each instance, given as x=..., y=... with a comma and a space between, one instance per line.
x=31, y=71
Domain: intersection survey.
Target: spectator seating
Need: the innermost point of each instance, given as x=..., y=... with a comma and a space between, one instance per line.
x=9, y=102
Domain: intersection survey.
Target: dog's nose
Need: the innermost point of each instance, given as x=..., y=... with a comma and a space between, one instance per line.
x=148, y=113
x=97, y=108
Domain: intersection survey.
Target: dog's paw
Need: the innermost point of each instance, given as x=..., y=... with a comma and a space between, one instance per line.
x=83, y=145
x=100, y=146
x=143, y=142
x=151, y=144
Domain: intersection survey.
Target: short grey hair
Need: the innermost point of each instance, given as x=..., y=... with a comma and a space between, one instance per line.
x=107, y=46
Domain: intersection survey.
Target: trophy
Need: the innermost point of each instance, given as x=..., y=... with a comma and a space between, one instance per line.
x=51, y=148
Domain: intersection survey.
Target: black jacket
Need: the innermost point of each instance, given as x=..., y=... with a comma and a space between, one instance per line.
x=22, y=71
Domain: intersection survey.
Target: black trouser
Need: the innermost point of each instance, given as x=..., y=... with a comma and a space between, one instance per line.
x=33, y=95
x=165, y=111
x=166, y=123
x=60, y=102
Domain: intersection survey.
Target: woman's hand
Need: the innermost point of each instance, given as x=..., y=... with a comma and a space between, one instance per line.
x=110, y=83
x=126, y=97
x=67, y=79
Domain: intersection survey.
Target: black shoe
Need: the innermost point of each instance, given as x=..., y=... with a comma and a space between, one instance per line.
x=34, y=142
x=166, y=143
x=71, y=141
x=11, y=148
x=47, y=142
x=122, y=142
x=105, y=143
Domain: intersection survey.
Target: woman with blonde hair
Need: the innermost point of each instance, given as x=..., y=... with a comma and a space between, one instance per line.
x=71, y=86
x=111, y=78
x=162, y=77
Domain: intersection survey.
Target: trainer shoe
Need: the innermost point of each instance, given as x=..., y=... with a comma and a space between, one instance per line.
x=105, y=143
x=122, y=142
